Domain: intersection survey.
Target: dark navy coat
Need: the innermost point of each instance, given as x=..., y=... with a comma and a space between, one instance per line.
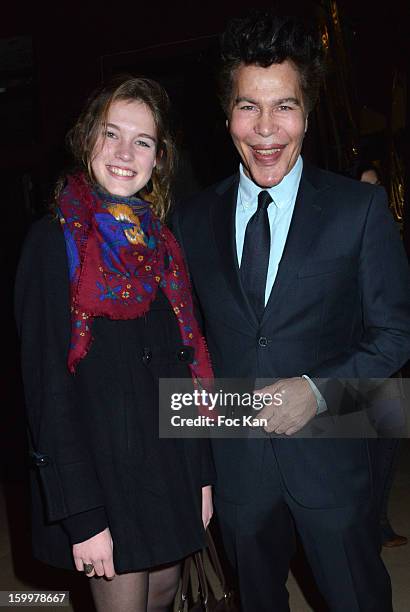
x=100, y=461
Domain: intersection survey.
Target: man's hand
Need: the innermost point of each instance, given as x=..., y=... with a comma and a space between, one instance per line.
x=299, y=405
x=207, y=505
x=96, y=551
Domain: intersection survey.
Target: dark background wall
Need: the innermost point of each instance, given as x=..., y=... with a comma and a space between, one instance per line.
x=71, y=42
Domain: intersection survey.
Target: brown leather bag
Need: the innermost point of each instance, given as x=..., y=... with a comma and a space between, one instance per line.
x=203, y=586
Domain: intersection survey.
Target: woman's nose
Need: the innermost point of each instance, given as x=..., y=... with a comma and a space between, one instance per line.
x=124, y=151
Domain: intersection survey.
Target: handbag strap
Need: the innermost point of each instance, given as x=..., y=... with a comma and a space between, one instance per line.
x=203, y=583
x=186, y=573
x=184, y=584
x=213, y=555
x=198, y=560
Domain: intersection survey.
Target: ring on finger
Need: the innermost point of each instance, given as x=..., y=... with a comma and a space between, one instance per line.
x=88, y=568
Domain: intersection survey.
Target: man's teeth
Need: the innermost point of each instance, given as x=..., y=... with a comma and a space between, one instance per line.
x=121, y=172
x=267, y=151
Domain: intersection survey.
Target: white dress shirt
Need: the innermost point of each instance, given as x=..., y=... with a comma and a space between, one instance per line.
x=280, y=213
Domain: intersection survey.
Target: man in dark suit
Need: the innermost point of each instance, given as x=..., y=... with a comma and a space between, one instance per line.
x=300, y=276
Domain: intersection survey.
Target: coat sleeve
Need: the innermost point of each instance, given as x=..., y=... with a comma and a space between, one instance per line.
x=71, y=490
x=208, y=473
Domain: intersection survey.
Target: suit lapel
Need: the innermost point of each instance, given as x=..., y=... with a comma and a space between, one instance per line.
x=302, y=233
x=223, y=220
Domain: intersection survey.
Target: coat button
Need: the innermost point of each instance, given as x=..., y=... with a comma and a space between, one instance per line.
x=263, y=341
x=40, y=460
x=183, y=355
x=43, y=461
x=146, y=356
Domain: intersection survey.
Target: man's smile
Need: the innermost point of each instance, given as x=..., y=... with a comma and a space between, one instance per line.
x=268, y=153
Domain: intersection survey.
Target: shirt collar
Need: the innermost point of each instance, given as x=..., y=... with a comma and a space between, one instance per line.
x=282, y=194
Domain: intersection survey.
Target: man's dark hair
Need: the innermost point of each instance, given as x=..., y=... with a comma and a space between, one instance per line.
x=263, y=39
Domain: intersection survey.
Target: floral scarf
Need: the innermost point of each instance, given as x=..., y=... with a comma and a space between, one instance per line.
x=119, y=253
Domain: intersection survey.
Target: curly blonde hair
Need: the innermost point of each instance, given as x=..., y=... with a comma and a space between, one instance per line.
x=83, y=136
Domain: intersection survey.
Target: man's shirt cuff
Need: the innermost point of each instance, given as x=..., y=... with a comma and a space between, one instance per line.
x=321, y=402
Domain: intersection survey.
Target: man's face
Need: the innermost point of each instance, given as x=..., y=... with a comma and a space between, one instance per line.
x=267, y=121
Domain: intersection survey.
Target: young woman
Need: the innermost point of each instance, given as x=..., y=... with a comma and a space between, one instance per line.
x=104, y=310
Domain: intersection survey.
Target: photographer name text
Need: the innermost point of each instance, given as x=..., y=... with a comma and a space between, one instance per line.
x=218, y=421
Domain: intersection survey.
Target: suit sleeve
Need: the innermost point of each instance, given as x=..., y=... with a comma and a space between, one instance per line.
x=384, y=285
x=71, y=490
x=384, y=346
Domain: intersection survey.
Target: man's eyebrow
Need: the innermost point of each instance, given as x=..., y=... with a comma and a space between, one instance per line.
x=241, y=99
x=278, y=102
x=291, y=99
x=142, y=134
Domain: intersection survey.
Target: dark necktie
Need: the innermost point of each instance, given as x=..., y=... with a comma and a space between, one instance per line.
x=255, y=255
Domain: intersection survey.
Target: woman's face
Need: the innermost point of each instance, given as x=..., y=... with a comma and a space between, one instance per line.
x=125, y=153
x=370, y=176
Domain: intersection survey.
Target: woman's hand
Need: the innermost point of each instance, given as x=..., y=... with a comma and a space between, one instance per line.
x=207, y=505
x=96, y=551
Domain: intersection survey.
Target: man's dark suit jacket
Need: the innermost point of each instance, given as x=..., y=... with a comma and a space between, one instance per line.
x=339, y=308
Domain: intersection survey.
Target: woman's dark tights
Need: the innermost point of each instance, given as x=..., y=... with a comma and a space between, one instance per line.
x=151, y=591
